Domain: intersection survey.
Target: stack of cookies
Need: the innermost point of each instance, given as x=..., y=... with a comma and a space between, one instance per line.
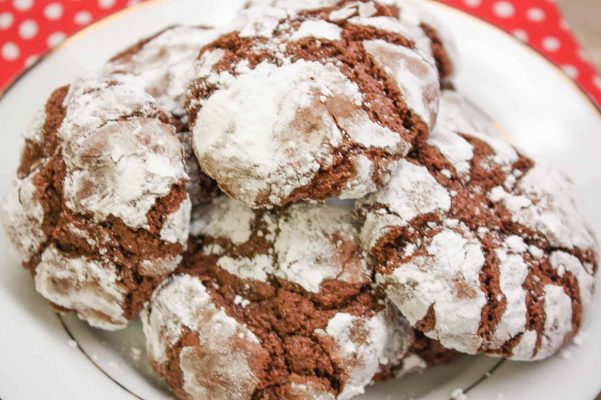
x=297, y=205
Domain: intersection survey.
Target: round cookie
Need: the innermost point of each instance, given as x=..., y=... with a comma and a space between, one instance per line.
x=273, y=306
x=481, y=247
x=430, y=35
x=343, y=91
x=164, y=64
x=99, y=212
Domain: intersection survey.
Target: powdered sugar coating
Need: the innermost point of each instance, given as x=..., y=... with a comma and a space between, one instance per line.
x=416, y=192
x=308, y=244
x=318, y=30
x=430, y=35
x=541, y=202
x=176, y=227
x=362, y=358
x=452, y=263
x=125, y=177
x=269, y=138
x=109, y=173
x=304, y=259
x=225, y=218
x=467, y=236
x=362, y=183
x=99, y=213
x=258, y=21
x=164, y=63
x=417, y=79
x=22, y=217
x=92, y=102
x=513, y=272
x=558, y=318
x=317, y=121
x=312, y=244
x=183, y=303
x=182, y=306
x=88, y=286
x=412, y=13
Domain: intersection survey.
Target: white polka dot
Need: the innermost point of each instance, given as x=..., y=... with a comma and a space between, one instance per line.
x=10, y=51
x=597, y=81
x=563, y=24
x=504, y=9
x=133, y=2
x=55, y=39
x=551, y=43
x=6, y=20
x=28, y=29
x=535, y=14
x=53, y=11
x=106, y=3
x=83, y=18
x=31, y=60
x=23, y=5
x=583, y=55
x=571, y=70
x=521, y=34
x=472, y=3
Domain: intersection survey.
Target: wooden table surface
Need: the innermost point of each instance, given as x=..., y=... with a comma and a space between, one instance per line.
x=584, y=18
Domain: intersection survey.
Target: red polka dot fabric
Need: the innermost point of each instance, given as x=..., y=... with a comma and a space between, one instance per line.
x=29, y=28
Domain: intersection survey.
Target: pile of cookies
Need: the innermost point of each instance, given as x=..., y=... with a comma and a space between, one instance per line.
x=297, y=205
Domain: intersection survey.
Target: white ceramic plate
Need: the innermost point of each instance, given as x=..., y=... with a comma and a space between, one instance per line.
x=43, y=355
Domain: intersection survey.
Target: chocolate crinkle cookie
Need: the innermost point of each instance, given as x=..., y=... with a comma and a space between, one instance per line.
x=430, y=35
x=99, y=212
x=275, y=305
x=164, y=64
x=481, y=247
x=310, y=104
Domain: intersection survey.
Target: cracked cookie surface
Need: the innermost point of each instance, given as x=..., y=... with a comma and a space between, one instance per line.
x=343, y=90
x=99, y=212
x=164, y=65
x=273, y=305
x=430, y=35
x=481, y=247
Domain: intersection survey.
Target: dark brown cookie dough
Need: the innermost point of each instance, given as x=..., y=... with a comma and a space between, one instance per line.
x=273, y=305
x=479, y=246
x=309, y=105
x=99, y=212
x=429, y=34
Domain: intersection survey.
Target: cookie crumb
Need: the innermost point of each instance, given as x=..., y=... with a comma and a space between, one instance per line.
x=458, y=394
x=136, y=354
x=580, y=338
